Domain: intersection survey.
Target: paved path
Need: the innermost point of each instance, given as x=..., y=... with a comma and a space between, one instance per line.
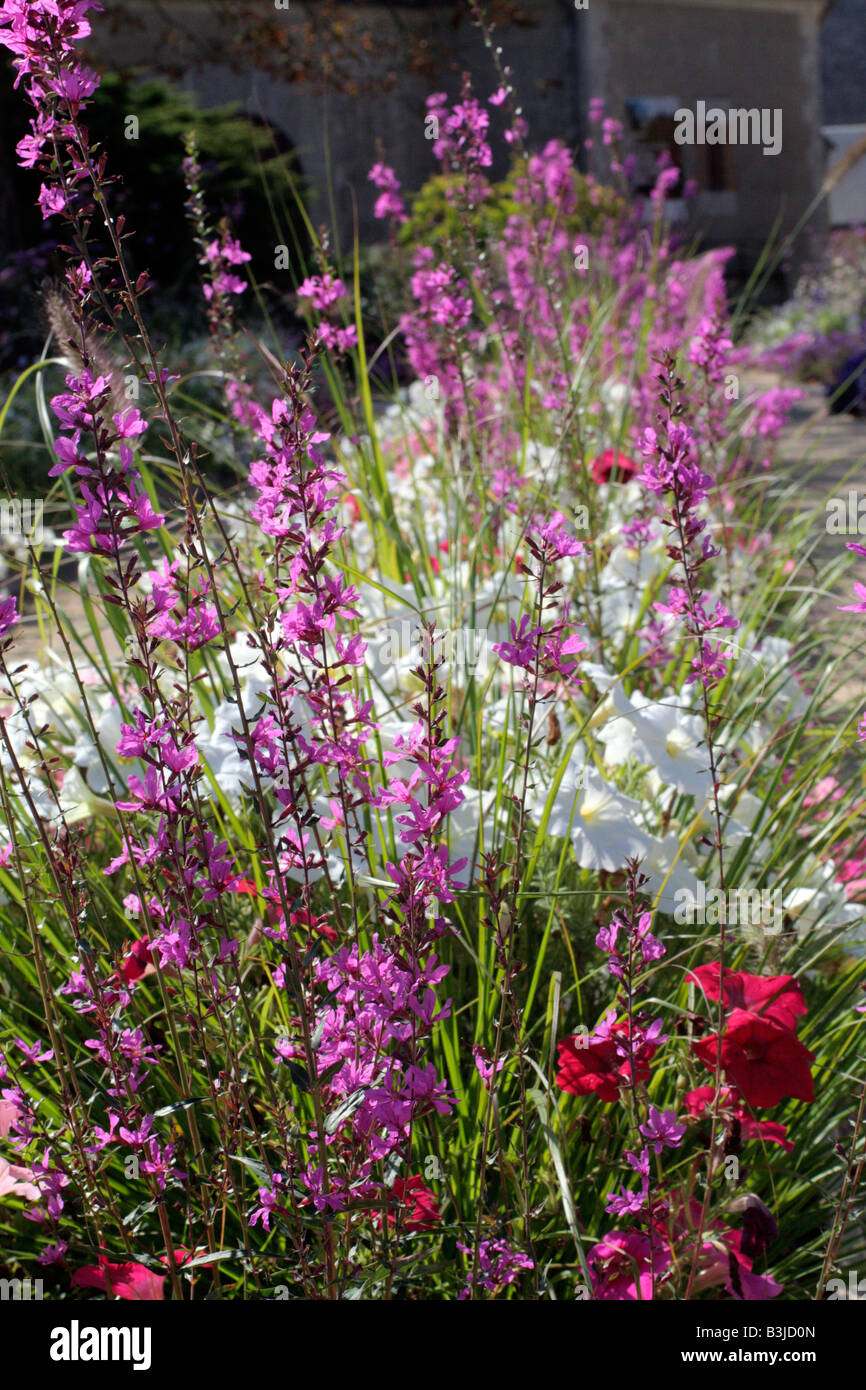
x=825, y=455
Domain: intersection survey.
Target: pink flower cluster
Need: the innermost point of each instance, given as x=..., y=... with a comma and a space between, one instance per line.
x=41, y=35
x=324, y=292
x=114, y=508
x=389, y=202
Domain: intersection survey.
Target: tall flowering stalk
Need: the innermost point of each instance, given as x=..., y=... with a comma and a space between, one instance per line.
x=614, y=1062
x=672, y=470
x=546, y=652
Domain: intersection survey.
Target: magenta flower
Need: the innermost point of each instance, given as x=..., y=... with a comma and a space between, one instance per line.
x=662, y=1130
x=484, y=1065
x=860, y=605
x=625, y=1261
x=51, y=201
x=323, y=291
x=521, y=650
x=498, y=1265
x=8, y=614
x=389, y=203
x=153, y=794
x=33, y=1053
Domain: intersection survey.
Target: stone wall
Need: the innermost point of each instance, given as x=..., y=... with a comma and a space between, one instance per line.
x=339, y=137
x=761, y=53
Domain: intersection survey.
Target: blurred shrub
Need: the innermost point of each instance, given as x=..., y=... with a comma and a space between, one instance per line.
x=435, y=214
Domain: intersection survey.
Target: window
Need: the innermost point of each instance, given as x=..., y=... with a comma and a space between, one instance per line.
x=651, y=122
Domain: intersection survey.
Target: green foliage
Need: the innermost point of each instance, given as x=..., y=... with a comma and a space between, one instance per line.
x=435, y=214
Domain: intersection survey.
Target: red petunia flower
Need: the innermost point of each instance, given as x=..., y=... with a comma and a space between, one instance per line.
x=182, y=1256
x=777, y=997
x=625, y=1262
x=593, y=1066
x=131, y=1281
x=139, y=962
x=420, y=1207
x=699, y=1101
x=609, y=463
x=243, y=885
x=722, y=1261
x=303, y=918
x=764, y=1060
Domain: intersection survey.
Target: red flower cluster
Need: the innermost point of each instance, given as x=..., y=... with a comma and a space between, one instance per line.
x=699, y=1101
x=421, y=1209
x=761, y=1054
x=595, y=1066
x=138, y=962
x=128, y=1280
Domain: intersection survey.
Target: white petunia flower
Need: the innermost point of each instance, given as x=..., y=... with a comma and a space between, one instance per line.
x=819, y=904
x=601, y=823
x=665, y=736
x=222, y=753
x=88, y=754
x=472, y=831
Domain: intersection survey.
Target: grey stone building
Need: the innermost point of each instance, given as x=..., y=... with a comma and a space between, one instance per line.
x=648, y=59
